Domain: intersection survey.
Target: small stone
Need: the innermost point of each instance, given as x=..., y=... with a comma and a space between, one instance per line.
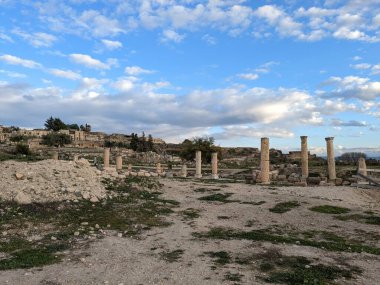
x=97, y=226
x=19, y=176
x=22, y=198
x=94, y=200
x=119, y=235
x=53, y=238
x=84, y=223
x=76, y=234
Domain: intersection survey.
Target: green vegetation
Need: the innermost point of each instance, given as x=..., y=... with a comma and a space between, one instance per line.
x=219, y=197
x=296, y=270
x=203, y=190
x=56, y=139
x=368, y=219
x=327, y=209
x=141, y=144
x=172, y=256
x=339, y=244
x=131, y=211
x=253, y=203
x=233, y=276
x=220, y=257
x=191, y=214
x=204, y=144
x=284, y=207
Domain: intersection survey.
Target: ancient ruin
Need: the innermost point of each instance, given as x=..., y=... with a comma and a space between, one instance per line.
x=264, y=161
x=330, y=158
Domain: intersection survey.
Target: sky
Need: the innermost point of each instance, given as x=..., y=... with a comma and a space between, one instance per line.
x=235, y=70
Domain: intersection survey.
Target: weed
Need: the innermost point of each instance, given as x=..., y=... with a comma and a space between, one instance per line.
x=266, y=235
x=219, y=197
x=233, y=276
x=221, y=257
x=172, y=256
x=223, y=217
x=190, y=214
x=284, y=207
x=129, y=211
x=253, y=203
x=368, y=219
x=203, y=190
x=327, y=209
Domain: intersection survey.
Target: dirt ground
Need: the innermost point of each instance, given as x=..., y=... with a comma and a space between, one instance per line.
x=177, y=255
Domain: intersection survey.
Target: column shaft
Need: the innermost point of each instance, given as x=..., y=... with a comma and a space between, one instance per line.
x=264, y=160
x=106, y=157
x=330, y=158
x=304, y=157
x=214, y=164
x=198, y=164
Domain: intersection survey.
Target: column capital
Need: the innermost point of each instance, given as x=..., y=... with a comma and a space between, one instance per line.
x=329, y=138
x=303, y=137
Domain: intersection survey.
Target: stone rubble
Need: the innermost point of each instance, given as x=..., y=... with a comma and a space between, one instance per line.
x=50, y=180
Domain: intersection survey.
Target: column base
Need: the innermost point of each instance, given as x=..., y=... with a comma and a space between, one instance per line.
x=214, y=176
x=198, y=175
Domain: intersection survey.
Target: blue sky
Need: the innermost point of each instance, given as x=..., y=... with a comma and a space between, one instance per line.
x=235, y=70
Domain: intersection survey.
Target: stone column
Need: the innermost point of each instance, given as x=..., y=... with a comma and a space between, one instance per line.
x=198, y=164
x=184, y=170
x=330, y=158
x=75, y=157
x=362, y=167
x=214, y=164
x=129, y=167
x=55, y=155
x=158, y=168
x=106, y=157
x=265, y=160
x=119, y=162
x=304, y=157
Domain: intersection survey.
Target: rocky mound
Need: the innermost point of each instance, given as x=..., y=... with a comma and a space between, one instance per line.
x=50, y=180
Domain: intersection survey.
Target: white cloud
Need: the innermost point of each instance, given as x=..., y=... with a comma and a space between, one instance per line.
x=348, y=34
x=68, y=74
x=88, y=61
x=12, y=74
x=38, y=39
x=283, y=23
x=376, y=69
x=171, y=36
x=10, y=59
x=98, y=24
x=111, y=45
x=353, y=87
x=137, y=70
x=248, y=76
x=361, y=66
x=6, y=38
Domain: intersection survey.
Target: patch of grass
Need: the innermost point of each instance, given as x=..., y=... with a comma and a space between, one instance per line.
x=233, y=276
x=223, y=217
x=284, y=207
x=218, y=197
x=253, y=203
x=191, y=214
x=203, y=190
x=220, y=257
x=172, y=256
x=130, y=211
x=297, y=270
x=267, y=235
x=327, y=209
x=368, y=219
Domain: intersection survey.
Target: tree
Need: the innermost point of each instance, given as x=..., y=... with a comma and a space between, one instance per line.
x=86, y=128
x=134, y=142
x=150, y=144
x=73, y=127
x=56, y=139
x=142, y=143
x=55, y=124
x=204, y=144
x=352, y=156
